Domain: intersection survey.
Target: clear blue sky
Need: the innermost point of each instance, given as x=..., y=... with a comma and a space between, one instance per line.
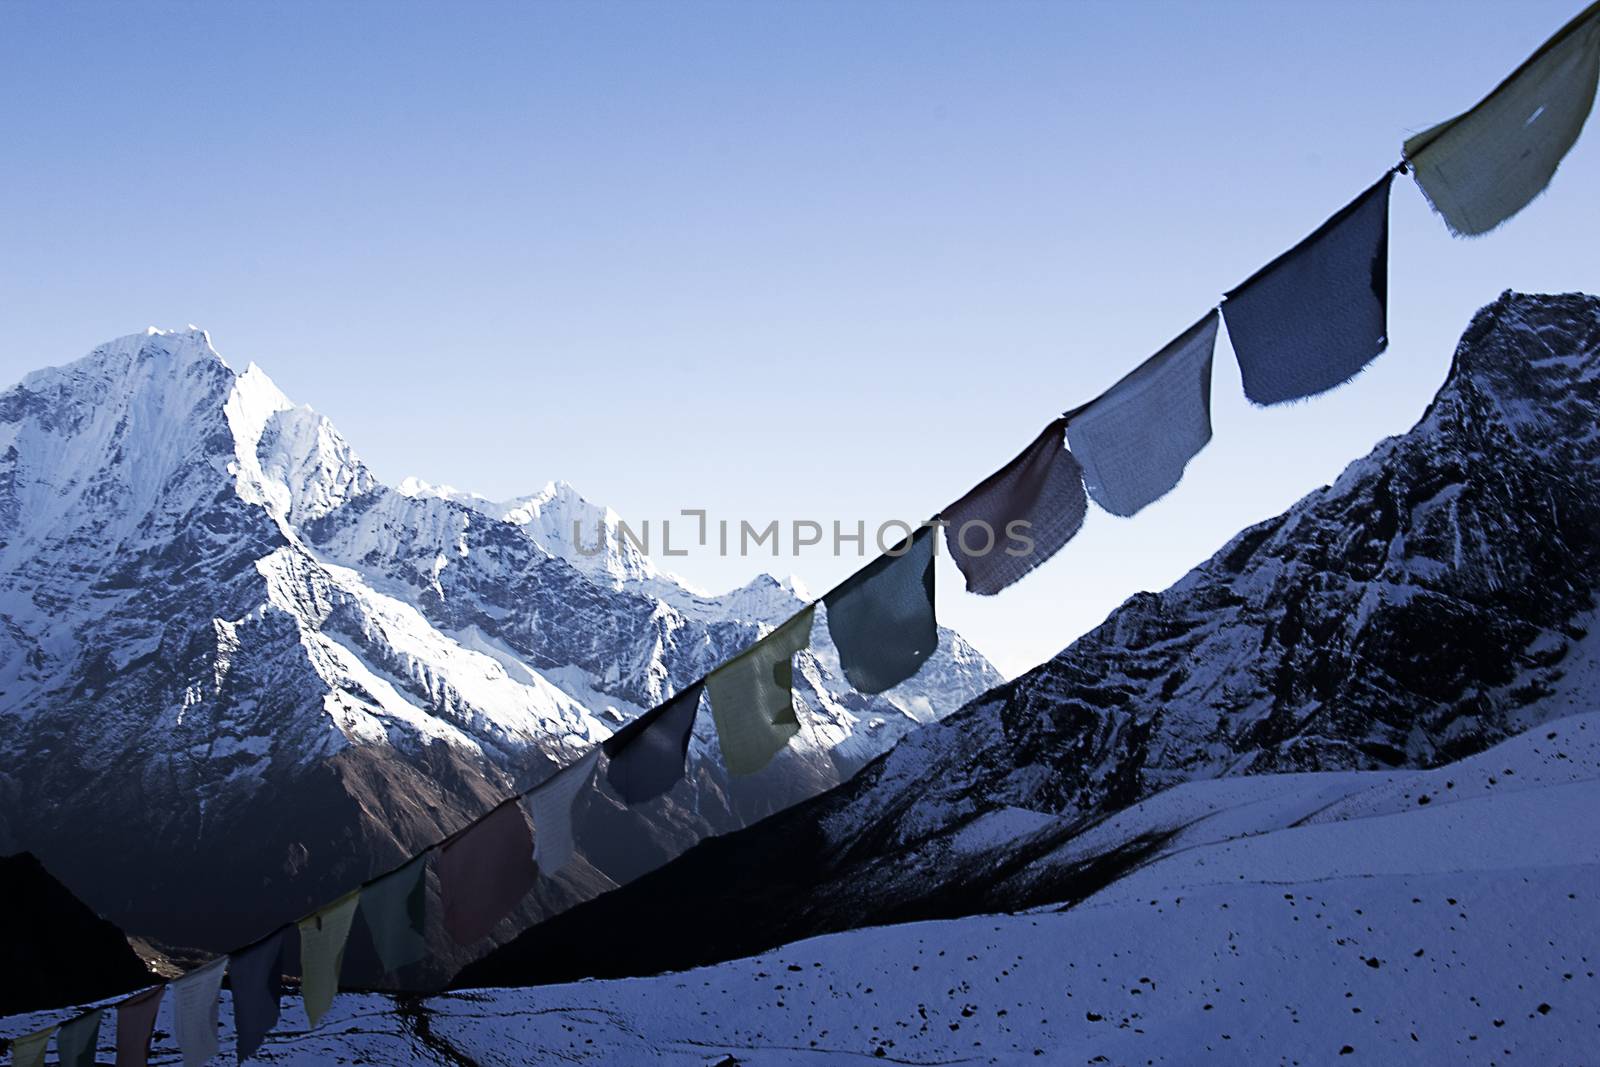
x=831, y=260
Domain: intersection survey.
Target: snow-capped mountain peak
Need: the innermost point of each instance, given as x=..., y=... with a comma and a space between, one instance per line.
x=561, y=522
x=212, y=609
x=588, y=536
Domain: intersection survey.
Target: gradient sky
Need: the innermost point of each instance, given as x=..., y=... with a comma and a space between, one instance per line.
x=775, y=260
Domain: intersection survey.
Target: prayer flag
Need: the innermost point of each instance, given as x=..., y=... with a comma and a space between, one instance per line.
x=1315, y=316
x=1482, y=167
x=1019, y=516
x=881, y=618
x=485, y=872
x=255, y=975
x=29, y=1050
x=79, y=1040
x=751, y=700
x=322, y=940
x=1135, y=440
x=136, y=1020
x=646, y=757
x=194, y=1011
x=550, y=805
x=395, y=910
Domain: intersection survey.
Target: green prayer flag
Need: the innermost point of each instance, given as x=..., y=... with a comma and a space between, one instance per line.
x=396, y=909
x=881, y=618
x=28, y=1051
x=322, y=939
x=1482, y=167
x=751, y=702
x=79, y=1040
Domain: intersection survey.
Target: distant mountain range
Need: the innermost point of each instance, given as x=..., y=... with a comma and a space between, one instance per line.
x=238, y=674
x=1437, y=599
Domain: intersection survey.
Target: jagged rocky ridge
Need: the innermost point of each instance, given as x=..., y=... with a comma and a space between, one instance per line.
x=1437, y=598
x=238, y=674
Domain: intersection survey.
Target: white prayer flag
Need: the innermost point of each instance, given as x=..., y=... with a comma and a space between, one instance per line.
x=550, y=808
x=194, y=1011
x=1134, y=441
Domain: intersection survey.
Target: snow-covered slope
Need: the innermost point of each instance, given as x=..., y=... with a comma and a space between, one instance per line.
x=237, y=673
x=1431, y=602
x=1294, y=918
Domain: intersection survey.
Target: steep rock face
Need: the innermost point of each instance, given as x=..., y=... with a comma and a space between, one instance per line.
x=1434, y=600
x=238, y=674
x=55, y=949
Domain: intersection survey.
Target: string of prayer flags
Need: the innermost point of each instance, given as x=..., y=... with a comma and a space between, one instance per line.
x=136, y=1021
x=485, y=872
x=322, y=941
x=882, y=618
x=1019, y=516
x=1482, y=167
x=751, y=699
x=194, y=1011
x=550, y=806
x=1135, y=440
x=395, y=910
x=29, y=1050
x=1310, y=320
x=646, y=757
x=255, y=975
x=1315, y=316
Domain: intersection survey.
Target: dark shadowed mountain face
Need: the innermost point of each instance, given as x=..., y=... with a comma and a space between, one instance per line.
x=53, y=949
x=238, y=674
x=1437, y=598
